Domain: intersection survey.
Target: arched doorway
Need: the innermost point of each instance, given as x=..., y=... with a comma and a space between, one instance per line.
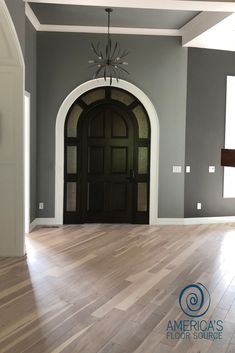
x=107, y=154
x=59, y=147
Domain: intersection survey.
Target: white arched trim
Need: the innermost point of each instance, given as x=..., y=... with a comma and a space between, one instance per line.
x=60, y=121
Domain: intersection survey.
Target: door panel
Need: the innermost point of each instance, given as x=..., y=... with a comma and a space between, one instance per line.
x=119, y=160
x=108, y=138
x=96, y=155
x=118, y=196
x=95, y=197
x=97, y=125
x=119, y=127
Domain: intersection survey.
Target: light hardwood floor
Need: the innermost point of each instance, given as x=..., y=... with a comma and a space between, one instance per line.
x=112, y=288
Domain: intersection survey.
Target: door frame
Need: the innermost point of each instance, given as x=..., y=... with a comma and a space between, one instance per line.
x=59, y=143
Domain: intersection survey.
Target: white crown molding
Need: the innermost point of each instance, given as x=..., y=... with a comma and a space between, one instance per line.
x=113, y=30
x=212, y=30
x=96, y=29
x=202, y=23
x=186, y=5
x=32, y=17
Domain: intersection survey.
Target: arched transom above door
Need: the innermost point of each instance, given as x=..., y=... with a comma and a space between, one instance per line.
x=107, y=158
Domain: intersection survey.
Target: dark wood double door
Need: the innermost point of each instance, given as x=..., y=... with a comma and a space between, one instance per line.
x=108, y=165
x=106, y=174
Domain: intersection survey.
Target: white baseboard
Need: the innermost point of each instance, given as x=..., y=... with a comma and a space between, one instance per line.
x=46, y=221
x=169, y=221
x=160, y=221
x=32, y=226
x=42, y=222
x=196, y=220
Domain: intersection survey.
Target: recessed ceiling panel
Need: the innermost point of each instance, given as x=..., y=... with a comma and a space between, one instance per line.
x=121, y=17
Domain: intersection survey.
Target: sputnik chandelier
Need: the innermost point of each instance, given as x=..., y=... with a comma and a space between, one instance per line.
x=108, y=63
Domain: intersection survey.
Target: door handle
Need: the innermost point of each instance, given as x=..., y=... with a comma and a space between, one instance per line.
x=132, y=175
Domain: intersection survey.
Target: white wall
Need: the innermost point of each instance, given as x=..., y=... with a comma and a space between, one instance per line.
x=11, y=139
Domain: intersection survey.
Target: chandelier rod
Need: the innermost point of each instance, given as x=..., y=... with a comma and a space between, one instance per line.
x=108, y=10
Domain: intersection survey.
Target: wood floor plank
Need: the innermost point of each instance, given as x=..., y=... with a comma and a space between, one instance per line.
x=112, y=288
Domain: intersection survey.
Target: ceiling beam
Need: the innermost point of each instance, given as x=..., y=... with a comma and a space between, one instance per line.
x=221, y=36
x=200, y=24
x=189, y=5
x=32, y=17
x=113, y=30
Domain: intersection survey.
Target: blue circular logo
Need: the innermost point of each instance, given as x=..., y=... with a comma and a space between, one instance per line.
x=195, y=300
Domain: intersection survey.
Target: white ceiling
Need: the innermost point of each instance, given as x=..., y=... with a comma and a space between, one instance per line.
x=205, y=24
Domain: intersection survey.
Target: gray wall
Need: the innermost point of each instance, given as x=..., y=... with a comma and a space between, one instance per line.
x=207, y=70
x=17, y=12
x=30, y=86
x=158, y=66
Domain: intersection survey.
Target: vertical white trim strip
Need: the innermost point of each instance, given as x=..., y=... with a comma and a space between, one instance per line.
x=27, y=108
x=229, y=172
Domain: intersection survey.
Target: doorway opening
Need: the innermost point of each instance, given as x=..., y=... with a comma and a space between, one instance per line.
x=106, y=158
